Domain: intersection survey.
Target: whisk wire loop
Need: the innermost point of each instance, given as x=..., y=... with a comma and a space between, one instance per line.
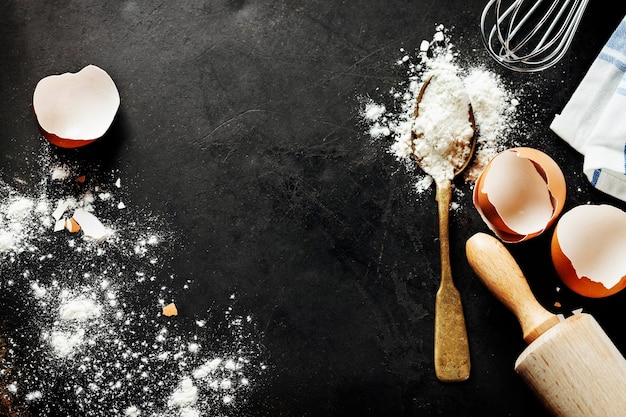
x=530, y=37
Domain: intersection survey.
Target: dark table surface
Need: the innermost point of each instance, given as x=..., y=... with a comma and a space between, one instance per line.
x=240, y=126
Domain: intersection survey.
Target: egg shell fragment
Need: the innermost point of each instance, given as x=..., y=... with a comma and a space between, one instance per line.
x=71, y=225
x=91, y=226
x=520, y=194
x=75, y=109
x=589, y=250
x=170, y=310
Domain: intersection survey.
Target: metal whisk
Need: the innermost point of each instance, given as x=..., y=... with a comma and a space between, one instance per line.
x=530, y=36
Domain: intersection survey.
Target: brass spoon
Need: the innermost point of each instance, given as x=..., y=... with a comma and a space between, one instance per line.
x=452, y=358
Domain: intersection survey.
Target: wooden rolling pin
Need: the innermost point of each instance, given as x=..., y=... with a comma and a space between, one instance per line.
x=571, y=365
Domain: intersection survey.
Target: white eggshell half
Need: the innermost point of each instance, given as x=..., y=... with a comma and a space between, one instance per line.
x=90, y=225
x=519, y=193
x=76, y=106
x=593, y=238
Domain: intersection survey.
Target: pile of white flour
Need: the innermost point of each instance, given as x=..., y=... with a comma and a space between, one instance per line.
x=87, y=335
x=493, y=104
x=442, y=131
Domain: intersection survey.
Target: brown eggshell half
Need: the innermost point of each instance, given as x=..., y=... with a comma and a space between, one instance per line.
x=554, y=180
x=588, y=250
x=75, y=109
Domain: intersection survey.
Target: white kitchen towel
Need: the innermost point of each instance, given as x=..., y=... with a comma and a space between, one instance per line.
x=594, y=120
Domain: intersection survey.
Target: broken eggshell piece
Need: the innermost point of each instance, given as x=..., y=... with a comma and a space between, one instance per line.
x=90, y=225
x=588, y=250
x=75, y=109
x=170, y=310
x=520, y=193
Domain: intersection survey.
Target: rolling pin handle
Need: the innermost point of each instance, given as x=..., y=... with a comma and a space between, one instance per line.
x=497, y=269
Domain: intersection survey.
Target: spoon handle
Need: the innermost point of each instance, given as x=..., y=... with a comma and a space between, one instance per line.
x=452, y=358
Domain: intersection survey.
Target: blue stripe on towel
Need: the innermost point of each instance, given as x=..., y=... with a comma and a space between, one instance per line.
x=621, y=91
x=619, y=64
x=596, y=176
x=617, y=41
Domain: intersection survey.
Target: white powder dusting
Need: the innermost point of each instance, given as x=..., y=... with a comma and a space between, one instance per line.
x=207, y=368
x=493, y=104
x=495, y=109
x=132, y=411
x=185, y=395
x=79, y=309
x=17, y=212
x=33, y=396
x=442, y=132
x=86, y=343
x=60, y=172
x=64, y=343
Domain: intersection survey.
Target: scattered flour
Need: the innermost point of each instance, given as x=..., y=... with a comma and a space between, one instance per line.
x=64, y=343
x=87, y=335
x=79, y=309
x=132, y=411
x=60, y=172
x=185, y=395
x=32, y=396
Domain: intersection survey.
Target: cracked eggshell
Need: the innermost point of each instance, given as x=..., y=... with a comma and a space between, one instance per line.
x=520, y=194
x=90, y=225
x=75, y=109
x=170, y=310
x=588, y=250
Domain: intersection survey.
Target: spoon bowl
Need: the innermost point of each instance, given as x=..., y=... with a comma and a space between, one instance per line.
x=471, y=147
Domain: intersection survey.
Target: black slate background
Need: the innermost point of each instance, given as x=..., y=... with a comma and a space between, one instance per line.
x=240, y=122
